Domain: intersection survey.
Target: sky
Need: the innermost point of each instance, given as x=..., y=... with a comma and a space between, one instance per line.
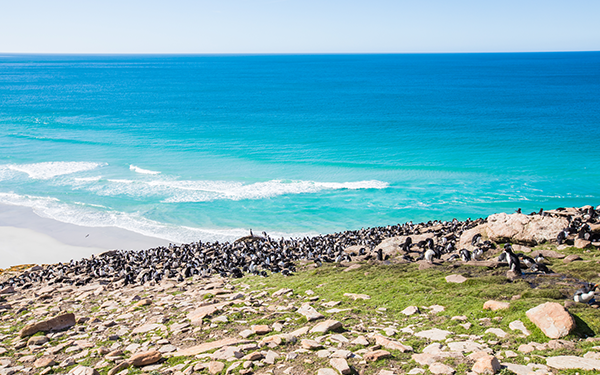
x=297, y=26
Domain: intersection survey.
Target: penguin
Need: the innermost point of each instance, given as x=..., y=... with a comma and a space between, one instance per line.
x=465, y=255
x=477, y=253
x=540, y=267
x=429, y=255
x=512, y=259
x=585, y=294
x=526, y=260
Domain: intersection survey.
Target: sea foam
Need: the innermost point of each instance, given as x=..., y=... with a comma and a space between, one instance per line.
x=177, y=191
x=142, y=171
x=90, y=215
x=48, y=170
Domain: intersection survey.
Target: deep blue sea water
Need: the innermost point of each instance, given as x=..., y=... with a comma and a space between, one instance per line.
x=191, y=148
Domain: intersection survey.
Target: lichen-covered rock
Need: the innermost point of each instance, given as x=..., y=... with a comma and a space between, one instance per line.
x=552, y=319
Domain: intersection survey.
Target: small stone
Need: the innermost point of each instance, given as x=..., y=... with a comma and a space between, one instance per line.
x=440, y=368
x=434, y=334
x=145, y=358
x=376, y=355
x=44, y=362
x=495, y=305
x=310, y=344
x=247, y=333
x=281, y=292
x=411, y=310
x=517, y=325
x=215, y=367
x=458, y=279
x=355, y=296
x=487, y=364
x=341, y=365
x=37, y=340
x=326, y=371
x=580, y=243
x=525, y=348
x=360, y=340
x=271, y=357
x=82, y=370
x=571, y=258
x=261, y=329
x=309, y=312
x=326, y=326
x=496, y=331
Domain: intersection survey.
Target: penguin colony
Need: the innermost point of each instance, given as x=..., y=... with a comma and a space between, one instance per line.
x=264, y=255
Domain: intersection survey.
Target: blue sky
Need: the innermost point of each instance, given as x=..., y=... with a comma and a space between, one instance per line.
x=297, y=26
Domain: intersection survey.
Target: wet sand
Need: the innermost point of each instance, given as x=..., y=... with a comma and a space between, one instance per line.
x=28, y=238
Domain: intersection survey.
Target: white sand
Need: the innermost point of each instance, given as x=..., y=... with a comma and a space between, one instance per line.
x=27, y=238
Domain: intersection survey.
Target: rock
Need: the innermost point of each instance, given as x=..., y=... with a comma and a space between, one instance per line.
x=434, y=334
x=391, y=344
x=55, y=324
x=7, y=290
x=436, y=309
x=205, y=347
x=425, y=359
x=360, y=340
x=326, y=371
x=44, y=361
x=82, y=370
x=496, y=331
x=565, y=362
x=144, y=328
x=552, y=319
x=580, y=243
x=326, y=326
x=517, y=325
x=410, y=310
x=281, y=292
x=526, y=370
x=464, y=242
x=261, y=329
x=467, y=347
x=341, y=365
x=310, y=344
x=215, y=367
x=376, y=355
x=440, y=368
x=246, y=333
x=355, y=296
x=525, y=348
x=458, y=279
x=227, y=353
x=146, y=358
x=271, y=357
x=487, y=364
x=309, y=312
x=37, y=340
x=200, y=313
x=495, y=305
x=524, y=229
x=571, y=258
x=547, y=254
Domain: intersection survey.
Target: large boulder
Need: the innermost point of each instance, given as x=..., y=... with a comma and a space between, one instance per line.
x=552, y=319
x=524, y=229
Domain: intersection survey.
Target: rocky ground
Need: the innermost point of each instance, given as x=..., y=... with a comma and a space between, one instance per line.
x=361, y=317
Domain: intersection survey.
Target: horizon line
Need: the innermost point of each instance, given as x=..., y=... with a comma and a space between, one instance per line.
x=280, y=53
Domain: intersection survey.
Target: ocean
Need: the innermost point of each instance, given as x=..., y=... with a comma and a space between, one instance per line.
x=189, y=148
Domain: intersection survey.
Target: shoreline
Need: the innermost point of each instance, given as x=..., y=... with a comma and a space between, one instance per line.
x=28, y=238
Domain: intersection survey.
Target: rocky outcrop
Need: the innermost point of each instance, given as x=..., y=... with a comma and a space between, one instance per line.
x=524, y=229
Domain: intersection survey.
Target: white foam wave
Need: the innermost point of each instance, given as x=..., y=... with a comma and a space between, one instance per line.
x=48, y=170
x=174, y=191
x=89, y=216
x=142, y=171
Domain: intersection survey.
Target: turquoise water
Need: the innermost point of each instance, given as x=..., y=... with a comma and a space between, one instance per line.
x=191, y=148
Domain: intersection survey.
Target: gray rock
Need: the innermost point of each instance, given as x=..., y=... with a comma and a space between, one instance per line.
x=565, y=362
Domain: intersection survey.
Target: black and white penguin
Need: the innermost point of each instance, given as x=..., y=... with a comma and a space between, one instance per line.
x=585, y=294
x=478, y=253
x=512, y=259
x=465, y=255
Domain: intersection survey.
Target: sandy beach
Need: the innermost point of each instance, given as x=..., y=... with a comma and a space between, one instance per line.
x=29, y=238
